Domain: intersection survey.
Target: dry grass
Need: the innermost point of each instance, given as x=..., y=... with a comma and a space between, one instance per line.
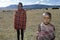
x=7, y=31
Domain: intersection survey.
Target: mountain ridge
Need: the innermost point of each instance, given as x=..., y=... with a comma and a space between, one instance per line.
x=34, y=6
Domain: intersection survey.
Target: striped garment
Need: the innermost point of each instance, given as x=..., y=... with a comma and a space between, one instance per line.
x=46, y=32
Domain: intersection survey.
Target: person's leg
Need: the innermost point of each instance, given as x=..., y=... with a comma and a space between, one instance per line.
x=52, y=39
x=22, y=34
x=36, y=37
x=18, y=35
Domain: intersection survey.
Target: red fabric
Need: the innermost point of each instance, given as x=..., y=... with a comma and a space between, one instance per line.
x=20, y=19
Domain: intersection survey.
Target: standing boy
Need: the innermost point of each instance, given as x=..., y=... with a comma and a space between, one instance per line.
x=46, y=31
x=20, y=21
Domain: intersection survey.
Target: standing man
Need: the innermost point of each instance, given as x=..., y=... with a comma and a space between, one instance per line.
x=20, y=21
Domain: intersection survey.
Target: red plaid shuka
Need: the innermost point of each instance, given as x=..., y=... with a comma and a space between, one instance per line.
x=20, y=19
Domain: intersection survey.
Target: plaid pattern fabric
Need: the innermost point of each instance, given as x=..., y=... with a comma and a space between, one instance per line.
x=20, y=19
x=46, y=32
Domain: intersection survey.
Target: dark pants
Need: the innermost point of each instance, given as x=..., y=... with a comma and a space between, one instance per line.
x=18, y=34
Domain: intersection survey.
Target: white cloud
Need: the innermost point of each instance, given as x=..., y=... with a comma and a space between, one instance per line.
x=44, y=0
x=4, y=3
x=38, y=2
x=48, y=2
x=29, y=3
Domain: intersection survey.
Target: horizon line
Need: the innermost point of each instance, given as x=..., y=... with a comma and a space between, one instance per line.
x=34, y=4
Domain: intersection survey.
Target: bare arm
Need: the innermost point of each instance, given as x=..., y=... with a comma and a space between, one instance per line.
x=39, y=28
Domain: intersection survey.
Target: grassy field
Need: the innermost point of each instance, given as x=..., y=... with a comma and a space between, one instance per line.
x=7, y=31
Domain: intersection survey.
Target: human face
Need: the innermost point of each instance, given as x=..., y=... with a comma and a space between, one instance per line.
x=19, y=6
x=46, y=19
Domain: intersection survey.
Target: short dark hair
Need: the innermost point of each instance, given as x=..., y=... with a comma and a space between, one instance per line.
x=48, y=13
x=20, y=4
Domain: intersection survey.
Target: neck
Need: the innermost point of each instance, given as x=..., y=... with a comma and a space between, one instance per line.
x=19, y=9
x=46, y=23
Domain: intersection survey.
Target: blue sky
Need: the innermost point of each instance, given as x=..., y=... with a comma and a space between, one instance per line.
x=4, y=3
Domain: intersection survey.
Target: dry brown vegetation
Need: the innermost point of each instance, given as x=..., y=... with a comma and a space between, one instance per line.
x=7, y=31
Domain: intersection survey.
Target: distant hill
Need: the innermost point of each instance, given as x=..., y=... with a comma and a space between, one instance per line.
x=34, y=6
